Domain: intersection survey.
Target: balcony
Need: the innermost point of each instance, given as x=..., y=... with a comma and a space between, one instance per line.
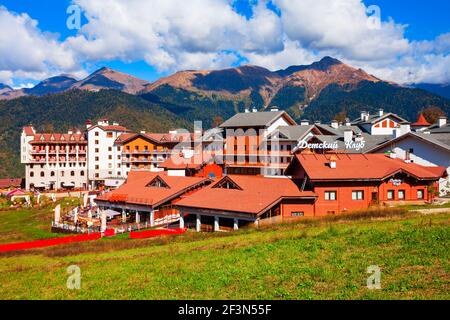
x=141, y=152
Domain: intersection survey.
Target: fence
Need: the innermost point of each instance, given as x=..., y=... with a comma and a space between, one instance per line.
x=49, y=242
x=156, y=233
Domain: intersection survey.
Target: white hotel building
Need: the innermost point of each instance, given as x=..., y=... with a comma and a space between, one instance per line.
x=54, y=161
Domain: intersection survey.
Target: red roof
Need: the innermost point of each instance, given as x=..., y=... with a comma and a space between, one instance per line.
x=58, y=138
x=7, y=183
x=136, y=189
x=361, y=167
x=254, y=194
x=157, y=137
x=29, y=130
x=421, y=122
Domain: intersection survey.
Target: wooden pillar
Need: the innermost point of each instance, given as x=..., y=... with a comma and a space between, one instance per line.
x=236, y=224
x=124, y=216
x=138, y=217
x=216, y=224
x=152, y=218
x=198, y=224
x=181, y=219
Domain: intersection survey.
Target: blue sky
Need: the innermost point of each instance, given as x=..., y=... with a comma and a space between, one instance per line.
x=425, y=20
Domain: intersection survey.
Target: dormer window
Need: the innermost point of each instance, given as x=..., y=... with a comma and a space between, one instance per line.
x=227, y=183
x=158, y=182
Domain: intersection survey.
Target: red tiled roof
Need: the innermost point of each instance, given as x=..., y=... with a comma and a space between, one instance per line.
x=361, y=167
x=6, y=183
x=28, y=130
x=157, y=137
x=421, y=122
x=58, y=138
x=257, y=194
x=136, y=191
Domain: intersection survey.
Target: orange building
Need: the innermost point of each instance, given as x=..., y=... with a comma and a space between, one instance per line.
x=145, y=151
x=349, y=182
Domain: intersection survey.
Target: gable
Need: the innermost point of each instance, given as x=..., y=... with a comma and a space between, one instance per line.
x=158, y=182
x=227, y=183
x=386, y=123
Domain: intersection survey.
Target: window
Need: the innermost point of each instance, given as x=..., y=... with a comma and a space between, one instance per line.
x=420, y=194
x=96, y=158
x=97, y=167
x=62, y=173
x=72, y=173
x=110, y=173
x=118, y=173
x=96, y=141
x=401, y=194
x=82, y=173
x=96, y=150
x=52, y=174
x=390, y=194
x=96, y=133
x=31, y=174
x=97, y=175
x=358, y=195
x=42, y=174
x=411, y=150
x=330, y=195
x=118, y=148
x=109, y=134
x=298, y=214
x=109, y=148
x=110, y=157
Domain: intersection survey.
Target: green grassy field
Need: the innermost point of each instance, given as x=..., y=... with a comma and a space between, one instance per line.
x=310, y=260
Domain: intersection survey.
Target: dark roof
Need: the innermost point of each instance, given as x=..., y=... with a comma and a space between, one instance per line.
x=375, y=118
x=370, y=141
x=292, y=133
x=441, y=140
x=255, y=119
x=436, y=129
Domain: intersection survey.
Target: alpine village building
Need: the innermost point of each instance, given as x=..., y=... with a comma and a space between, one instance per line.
x=256, y=167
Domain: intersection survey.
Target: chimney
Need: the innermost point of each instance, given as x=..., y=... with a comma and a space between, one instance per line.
x=363, y=115
x=254, y=110
x=380, y=112
x=347, y=122
x=247, y=110
x=442, y=122
x=274, y=109
x=348, y=136
x=88, y=124
x=359, y=138
x=78, y=131
x=335, y=124
x=304, y=122
x=115, y=123
x=142, y=131
x=333, y=164
x=405, y=128
x=392, y=155
x=70, y=132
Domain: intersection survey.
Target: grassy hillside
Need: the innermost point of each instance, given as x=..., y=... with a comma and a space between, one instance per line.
x=71, y=109
x=309, y=260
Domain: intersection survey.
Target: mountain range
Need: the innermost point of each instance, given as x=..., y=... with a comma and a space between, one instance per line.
x=318, y=91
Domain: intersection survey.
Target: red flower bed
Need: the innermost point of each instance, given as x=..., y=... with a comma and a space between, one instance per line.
x=155, y=233
x=48, y=242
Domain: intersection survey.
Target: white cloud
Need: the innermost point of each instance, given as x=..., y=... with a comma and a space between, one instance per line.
x=173, y=35
x=27, y=51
